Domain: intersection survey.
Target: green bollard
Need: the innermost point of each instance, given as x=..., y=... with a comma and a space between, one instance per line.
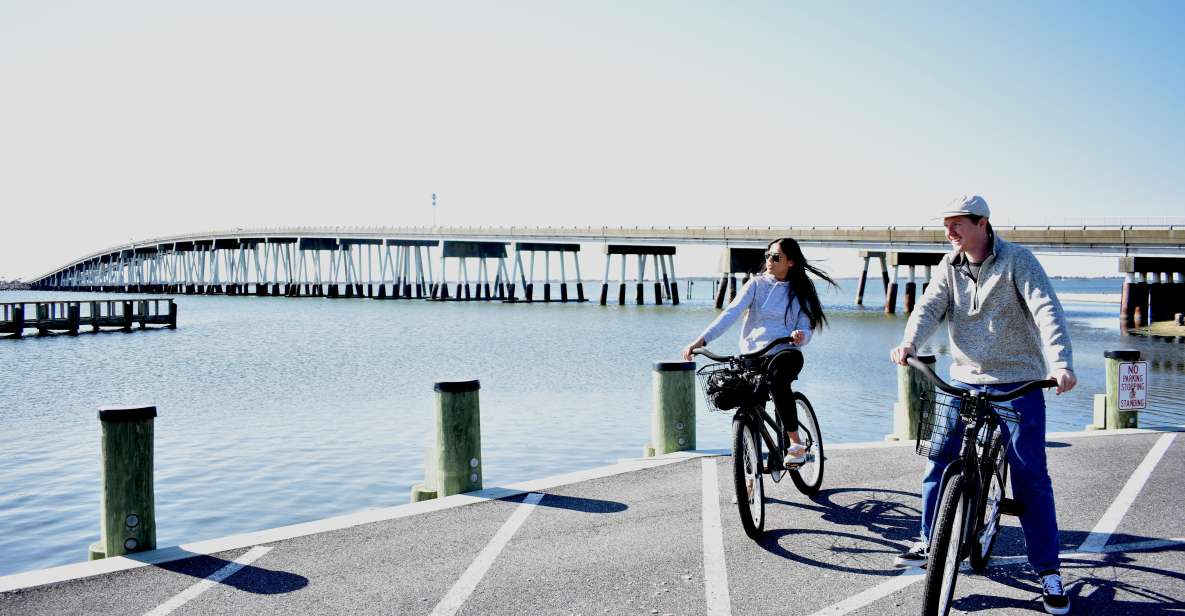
x=458, y=437
x=910, y=405
x=1119, y=418
x=127, y=507
x=672, y=423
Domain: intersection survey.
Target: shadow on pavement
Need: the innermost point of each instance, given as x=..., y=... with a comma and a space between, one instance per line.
x=1112, y=584
x=250, y=578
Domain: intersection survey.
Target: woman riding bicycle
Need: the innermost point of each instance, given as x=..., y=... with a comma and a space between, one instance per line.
x=781, y=302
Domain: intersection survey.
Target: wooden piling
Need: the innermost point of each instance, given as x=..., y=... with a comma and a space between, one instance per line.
x=672, y=422
x=1117, y=418
x=458, y=437
x=128, y=522
x=910, y=403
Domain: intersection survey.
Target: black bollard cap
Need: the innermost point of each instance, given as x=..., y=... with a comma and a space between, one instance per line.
x=1122, y=354
x=673, y=366
x=454, y=387
x=126, y=413
x=927, y=359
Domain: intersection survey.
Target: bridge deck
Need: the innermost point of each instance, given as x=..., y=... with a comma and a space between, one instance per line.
x=631, y=539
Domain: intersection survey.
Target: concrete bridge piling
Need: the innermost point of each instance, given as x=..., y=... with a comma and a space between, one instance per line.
x=663, y=259
x=736, y=261
x=911, y=260
x=1153, y=290
x=482, y=252
x=527, y=274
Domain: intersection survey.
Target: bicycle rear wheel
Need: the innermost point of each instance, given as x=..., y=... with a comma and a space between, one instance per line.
x=942, y=570
x=809, y=477
x=987, y=523
x=746, y=476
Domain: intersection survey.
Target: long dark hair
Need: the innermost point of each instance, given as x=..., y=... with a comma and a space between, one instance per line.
x=801, y=284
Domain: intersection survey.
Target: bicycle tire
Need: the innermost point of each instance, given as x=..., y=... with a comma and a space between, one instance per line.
x=987, y=520
x=942, y=569
x=746, y=477
x=808, y=478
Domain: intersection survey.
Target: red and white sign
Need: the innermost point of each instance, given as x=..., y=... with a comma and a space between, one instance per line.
x=1133, y=385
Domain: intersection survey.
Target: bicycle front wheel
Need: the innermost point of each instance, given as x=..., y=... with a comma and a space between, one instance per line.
x=808, y=477
x=746, y=476
x=987, y=523
x=943, y=567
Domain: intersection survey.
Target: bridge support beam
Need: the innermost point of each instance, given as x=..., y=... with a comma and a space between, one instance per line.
x=656, y=253
x=912, y=260
x=527, y=276
x=462, y=252
x=737, y=262
x=1153, y=290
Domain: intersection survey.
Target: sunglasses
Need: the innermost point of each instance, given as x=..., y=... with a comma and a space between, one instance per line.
x=773, y=256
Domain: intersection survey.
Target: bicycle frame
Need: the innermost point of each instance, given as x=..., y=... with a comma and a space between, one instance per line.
x=759, y=417
x=972, y=465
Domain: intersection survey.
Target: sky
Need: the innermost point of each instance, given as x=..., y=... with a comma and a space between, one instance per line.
x=127, y=120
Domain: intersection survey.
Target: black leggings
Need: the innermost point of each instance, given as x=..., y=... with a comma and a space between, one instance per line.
x=782, y=369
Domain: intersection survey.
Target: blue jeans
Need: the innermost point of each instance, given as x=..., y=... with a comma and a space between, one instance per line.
x=1029, y=476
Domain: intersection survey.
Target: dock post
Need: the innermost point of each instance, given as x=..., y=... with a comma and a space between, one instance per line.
x=721, y=291
x=127, y=503
x=172, y=314
x=127, y=315
x=73, y=316
x=672, y=424
x=458, y=437
x=1118, y=363
x=910, y=405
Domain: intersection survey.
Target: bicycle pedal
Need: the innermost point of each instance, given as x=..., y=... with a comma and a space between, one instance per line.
x=1011, y=506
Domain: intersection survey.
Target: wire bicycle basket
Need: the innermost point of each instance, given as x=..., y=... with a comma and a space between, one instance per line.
x=726, y=387
x=941, y=419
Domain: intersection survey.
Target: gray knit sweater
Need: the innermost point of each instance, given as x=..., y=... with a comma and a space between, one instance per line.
x=1005, y=328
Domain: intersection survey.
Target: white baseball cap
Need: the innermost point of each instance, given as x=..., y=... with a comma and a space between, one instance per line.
x=967, y=205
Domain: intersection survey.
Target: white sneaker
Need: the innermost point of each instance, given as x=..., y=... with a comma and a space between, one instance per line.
x=1053, y=595
x=795, y=455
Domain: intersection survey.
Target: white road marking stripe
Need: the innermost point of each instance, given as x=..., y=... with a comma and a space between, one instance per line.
x=883, y=589
x=1114, y=515
x=715, y=572
x=477, y=570
x=215, y=578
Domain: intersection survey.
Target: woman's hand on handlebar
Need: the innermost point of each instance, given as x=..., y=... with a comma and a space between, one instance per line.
x=901, y=351
x=699, y=342
x=797, y=337
x=1065, y=380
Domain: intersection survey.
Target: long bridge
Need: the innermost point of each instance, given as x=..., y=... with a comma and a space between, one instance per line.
x=398, y=262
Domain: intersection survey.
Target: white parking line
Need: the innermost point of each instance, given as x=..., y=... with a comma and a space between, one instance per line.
x=715, y=572
x=1114, y=515
x=477, y=570
x=215, y=578
x=855, y=602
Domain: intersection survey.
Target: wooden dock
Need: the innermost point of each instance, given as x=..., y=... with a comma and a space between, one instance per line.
x=69, y=317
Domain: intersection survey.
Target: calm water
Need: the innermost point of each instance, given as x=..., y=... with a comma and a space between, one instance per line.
x=275, y=411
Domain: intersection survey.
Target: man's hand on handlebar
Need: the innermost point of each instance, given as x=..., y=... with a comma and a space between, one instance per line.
x=699, y=342
x=1065, y=380
x=901, y=351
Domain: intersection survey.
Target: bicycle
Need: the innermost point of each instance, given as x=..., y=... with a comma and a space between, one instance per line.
x=972, y=494
x=740, y=382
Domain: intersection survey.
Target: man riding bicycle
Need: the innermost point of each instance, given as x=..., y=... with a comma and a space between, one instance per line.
x=1005, y=326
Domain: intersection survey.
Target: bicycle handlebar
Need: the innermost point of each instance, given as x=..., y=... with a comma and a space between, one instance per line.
x=759, y=352
x=928, y=372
